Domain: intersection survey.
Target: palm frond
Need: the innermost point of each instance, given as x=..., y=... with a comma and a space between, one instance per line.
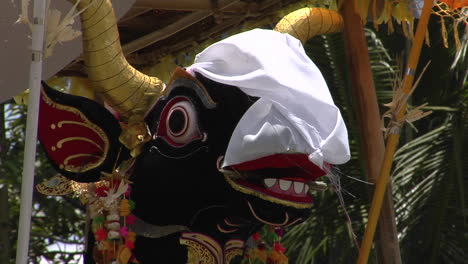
x=325, y=237
x=429, y=194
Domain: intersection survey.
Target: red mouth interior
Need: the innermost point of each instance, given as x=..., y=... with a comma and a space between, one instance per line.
x=283, y=176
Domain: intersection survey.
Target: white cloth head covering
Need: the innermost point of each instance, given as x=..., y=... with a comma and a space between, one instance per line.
x=295, y=112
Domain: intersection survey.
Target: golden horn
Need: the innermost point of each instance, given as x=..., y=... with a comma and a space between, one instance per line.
x=307, y=22
x=127, y=90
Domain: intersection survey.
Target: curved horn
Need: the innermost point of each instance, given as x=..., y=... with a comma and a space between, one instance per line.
x=124, y=88
x=308, y=22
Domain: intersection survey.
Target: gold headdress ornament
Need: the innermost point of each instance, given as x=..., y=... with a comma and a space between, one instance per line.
x=306, y=23
x=123, y=87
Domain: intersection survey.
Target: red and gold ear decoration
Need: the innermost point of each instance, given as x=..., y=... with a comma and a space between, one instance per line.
x=79, y=135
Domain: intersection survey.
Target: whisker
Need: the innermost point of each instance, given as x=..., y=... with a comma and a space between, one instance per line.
x=359, y=180
x=335, y=181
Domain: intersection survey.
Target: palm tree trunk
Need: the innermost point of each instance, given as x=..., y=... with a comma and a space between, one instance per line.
x=369, y=125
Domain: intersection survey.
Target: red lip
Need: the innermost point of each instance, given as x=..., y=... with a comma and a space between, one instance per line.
x=282, y=176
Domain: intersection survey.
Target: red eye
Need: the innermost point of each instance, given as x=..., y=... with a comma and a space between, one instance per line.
x=179, y=122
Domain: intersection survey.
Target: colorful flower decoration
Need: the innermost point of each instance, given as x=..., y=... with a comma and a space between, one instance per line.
x=268, y=248
x=111, y=215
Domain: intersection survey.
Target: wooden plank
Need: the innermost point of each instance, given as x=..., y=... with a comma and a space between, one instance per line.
x=369, y=124
x=172, y=29
x=133, y=12
x=166, y=32
x=189, y=5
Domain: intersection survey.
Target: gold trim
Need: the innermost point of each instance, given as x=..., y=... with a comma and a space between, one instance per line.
x=242, y=189
x=181, y=73
x=222, y=230
x=226, y=221
x=232, y=249
x=286, y=219
x=67, y=159
x=70, y=122
x=202, y=249
x=86, y=123
x=68, y=139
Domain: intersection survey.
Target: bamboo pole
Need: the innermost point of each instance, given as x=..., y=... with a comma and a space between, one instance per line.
x=27, y=184
x=394, y=135
x=367, y=111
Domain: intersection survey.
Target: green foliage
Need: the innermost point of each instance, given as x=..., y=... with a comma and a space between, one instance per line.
x=56, y=221
x=429, y=194
x=428, y=177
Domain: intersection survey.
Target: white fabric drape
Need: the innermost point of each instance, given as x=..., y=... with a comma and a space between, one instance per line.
x=295, y=112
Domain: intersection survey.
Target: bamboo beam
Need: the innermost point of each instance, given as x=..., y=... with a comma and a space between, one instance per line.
x=153, y=57
x=187, y=5
x=166, y=32
x=394, y=134
x=372, y=142
x=170, y=30
x=133, y=12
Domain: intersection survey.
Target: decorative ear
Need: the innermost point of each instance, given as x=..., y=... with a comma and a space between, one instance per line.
x=79, y=135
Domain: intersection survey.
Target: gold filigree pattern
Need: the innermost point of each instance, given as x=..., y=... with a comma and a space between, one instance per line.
x=57, y=185
x=202, y=249
x=232, y=249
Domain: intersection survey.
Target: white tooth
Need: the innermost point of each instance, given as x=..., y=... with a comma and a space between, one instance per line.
x=306, y=189
x=285, y=185
x=298, y=186
x=269, y=182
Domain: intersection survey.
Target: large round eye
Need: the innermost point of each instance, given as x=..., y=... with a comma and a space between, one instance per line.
x=181, y=124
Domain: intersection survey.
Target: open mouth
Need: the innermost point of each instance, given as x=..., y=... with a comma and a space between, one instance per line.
x=280, y=178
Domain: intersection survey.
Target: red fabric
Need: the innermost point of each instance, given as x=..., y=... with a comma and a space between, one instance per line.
x=283, y=161
x=51, y=132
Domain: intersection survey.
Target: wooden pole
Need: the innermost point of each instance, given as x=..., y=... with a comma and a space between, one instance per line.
x=394, y=135
x=27, y=184
x=372, y=141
